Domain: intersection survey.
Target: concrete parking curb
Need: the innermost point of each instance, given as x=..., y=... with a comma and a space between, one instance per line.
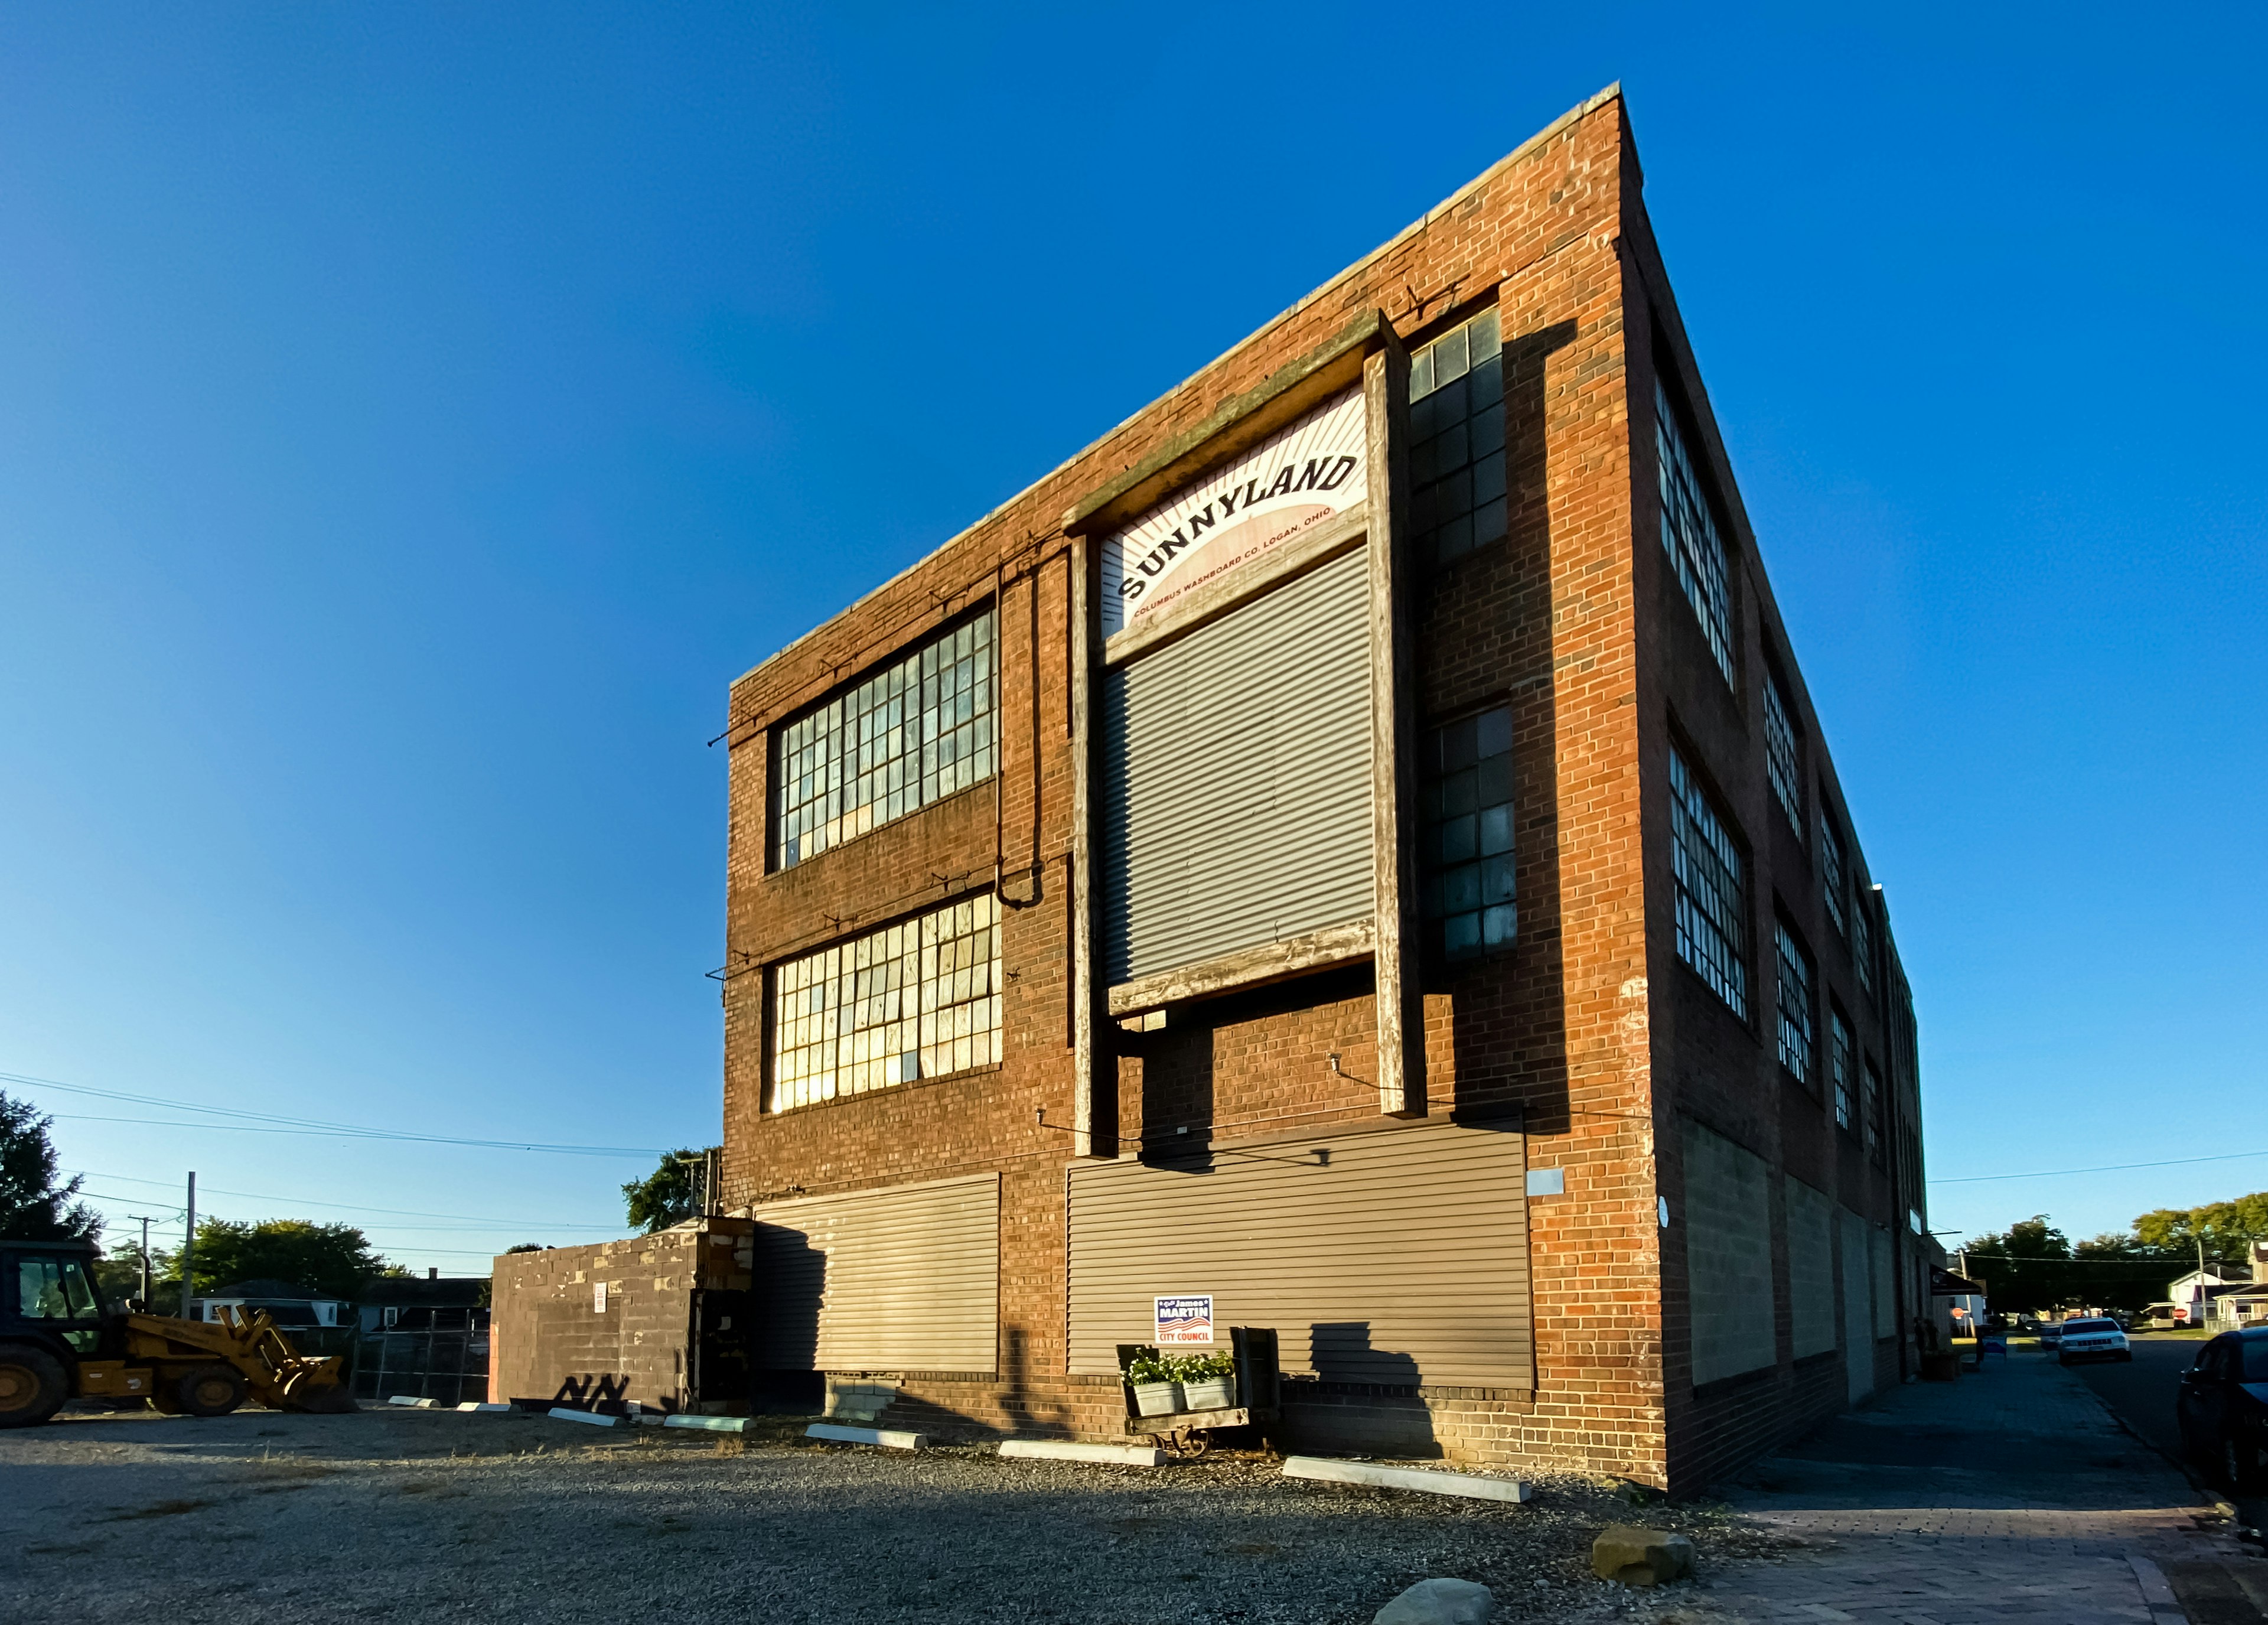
x=1421, y=1479
x=710, y=1424
x=883, y=1437
x=593, y=1417
x=1063, y=1450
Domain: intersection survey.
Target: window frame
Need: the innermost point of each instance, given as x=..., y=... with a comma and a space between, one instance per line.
x=1435, y=870
x=915, y=774
x=1834, y=873
x=1788, y=947
x=1426, y=479
x=1842, y=1049
x=1776, y=700
x=1703, y=576
x=1699, y=790
x=842, y=978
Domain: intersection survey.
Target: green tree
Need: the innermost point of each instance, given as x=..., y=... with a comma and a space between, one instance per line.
x=525, y=1246
x=332, y=1259
x=2025, y=1268
x=664, y=1197
x=2226, y=1228
x=34, y=1205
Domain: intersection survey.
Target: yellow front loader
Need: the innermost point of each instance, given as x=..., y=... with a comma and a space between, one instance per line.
x=200, y=1368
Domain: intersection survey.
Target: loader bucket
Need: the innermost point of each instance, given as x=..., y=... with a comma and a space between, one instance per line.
x=316, y=1391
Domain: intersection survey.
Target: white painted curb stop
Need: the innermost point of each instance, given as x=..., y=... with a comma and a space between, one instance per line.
x=593, y=1417
x=1406, y=1478
x=412, y=1402
x=713, y=1424
x=481, y=1404
x=1063, y=1450
x=883, y=1437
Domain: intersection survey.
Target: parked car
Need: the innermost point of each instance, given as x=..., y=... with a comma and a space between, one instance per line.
x=2095, y=1338
x=2050, y=1335
x=2223, y=1410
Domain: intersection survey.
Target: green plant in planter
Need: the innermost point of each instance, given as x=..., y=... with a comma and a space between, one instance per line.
x=1196, y=1368
x=1144, y=1369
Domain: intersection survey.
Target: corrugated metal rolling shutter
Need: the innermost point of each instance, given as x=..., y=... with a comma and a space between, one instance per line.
x=1402, y=1259
x=1236, y=802
x=903, y=1279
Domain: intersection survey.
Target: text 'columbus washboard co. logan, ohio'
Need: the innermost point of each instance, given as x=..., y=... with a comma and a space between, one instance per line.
x=1300, y=477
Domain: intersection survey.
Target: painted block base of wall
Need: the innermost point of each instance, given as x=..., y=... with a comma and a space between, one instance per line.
x=1420, y=1479
x=708, y=1424
x=1065, y=1449
x=887, y=1438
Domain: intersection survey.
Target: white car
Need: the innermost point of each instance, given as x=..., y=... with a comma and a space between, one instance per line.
x=2092, y=1339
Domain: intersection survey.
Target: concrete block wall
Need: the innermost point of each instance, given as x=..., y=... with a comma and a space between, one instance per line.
x=550, y=1338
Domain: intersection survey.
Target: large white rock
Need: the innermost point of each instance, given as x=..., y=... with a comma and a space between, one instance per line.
x=1441, y=1602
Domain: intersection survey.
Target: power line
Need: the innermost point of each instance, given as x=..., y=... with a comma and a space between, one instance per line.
x=270, y=1122
x=308, y=1202
x=2056, y=1173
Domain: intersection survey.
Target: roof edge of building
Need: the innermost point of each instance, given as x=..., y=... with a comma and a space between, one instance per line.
x=1572, y=116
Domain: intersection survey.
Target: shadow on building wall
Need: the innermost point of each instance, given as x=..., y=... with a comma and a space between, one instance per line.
x=1362, y=1397
x=1505, y=603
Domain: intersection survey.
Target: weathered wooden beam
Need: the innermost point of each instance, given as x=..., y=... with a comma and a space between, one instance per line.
x=1393, y=804
x=1247, y=967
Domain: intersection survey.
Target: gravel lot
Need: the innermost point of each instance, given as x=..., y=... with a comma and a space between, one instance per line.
x=263, y=1516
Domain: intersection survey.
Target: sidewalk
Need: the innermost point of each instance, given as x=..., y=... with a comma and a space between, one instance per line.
x=2011, y=1497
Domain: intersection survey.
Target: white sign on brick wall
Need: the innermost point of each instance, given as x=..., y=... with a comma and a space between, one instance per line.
x=1303, y=475
x=599, y=1296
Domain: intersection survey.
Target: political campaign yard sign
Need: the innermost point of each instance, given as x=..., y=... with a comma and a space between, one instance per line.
x=1184, y=1319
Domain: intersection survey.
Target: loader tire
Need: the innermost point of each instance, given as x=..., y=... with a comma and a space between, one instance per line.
x=32, y=1385
x=210, y=1391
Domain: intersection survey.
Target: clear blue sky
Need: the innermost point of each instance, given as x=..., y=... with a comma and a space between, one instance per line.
x=411, y=418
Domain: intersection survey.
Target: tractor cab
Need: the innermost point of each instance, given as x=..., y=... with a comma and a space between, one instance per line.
x=49, y=1297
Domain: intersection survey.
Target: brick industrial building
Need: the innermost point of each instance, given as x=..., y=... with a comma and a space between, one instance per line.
x=1354, y=844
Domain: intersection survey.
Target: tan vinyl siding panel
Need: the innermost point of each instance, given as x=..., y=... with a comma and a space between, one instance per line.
x=1236, y=782
x=1402, y=1259
x=902, y=1279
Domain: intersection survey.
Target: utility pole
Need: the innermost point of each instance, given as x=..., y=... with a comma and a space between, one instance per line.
x=190, y=1245
x=148, y=1286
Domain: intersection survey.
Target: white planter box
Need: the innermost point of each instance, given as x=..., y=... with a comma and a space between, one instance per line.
x=1157, y=1398
x=1209, y=1393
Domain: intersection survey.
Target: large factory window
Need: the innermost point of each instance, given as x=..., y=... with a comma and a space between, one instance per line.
x=916, y=999
x=1468, y=822
x=1689, y=534
x=1782, y=757
x=912, y=734
x=1846, y=1085
x=1830, y=870
x=1712, y=890
x=1793, y=997
x=1456, y=439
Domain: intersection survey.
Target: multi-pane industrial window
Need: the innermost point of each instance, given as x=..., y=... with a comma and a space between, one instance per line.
x=910, y=734
x=1793, y=999
x=916, y=999
x=1838, y=1060
x=1456, y=439
x=1872, y=1103
x=1712, y=890
x=1831, y=871
x=1689, y=534
x=1783, y=765
x=1469, y=816
x=1862, y=942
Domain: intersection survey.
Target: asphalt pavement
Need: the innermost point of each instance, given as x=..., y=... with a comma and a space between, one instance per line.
x=2141, y=1393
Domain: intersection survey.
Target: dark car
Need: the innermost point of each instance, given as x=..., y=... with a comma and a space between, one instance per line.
x=2223, y=1410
